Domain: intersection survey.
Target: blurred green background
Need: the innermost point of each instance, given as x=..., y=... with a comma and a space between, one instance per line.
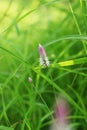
x=61, y=27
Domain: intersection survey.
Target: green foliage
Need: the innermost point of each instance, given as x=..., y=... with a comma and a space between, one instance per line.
x=61, y=27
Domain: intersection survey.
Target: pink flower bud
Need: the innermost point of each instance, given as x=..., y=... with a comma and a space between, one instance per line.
x=30, y=79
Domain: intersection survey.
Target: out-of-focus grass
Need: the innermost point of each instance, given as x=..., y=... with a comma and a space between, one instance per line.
x=60, y=26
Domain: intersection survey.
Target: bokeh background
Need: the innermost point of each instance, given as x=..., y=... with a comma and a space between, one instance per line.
x=61, y=27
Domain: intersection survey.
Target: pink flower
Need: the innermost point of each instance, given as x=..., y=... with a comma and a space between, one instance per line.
x=43, y=58
x=61, y=114
x=61, y=110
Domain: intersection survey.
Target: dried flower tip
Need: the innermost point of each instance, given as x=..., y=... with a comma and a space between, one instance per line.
x=30, y=79
x=44, y=61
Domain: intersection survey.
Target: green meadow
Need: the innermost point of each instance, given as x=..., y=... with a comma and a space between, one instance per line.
x=60, y=26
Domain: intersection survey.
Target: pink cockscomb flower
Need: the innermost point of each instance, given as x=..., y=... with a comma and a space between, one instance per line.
x=43, y=58
x=61, y=114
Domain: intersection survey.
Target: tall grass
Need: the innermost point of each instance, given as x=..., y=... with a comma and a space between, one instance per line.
x=61, y=27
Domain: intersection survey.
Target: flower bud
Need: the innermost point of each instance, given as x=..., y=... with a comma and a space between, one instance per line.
x=30, y=79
